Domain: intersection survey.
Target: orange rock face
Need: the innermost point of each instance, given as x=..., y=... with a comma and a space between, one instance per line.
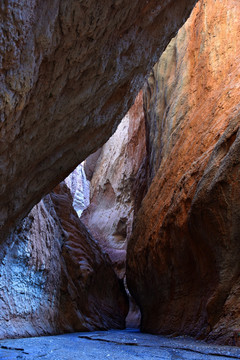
x=183, y=258
x=69, y=73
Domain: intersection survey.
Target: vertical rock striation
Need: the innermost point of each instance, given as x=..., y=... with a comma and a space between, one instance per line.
x=183, y=258
x=114, y=185
x=69, y=72
x=54, y=277
x=118, y=185
x=30, y=275
x=91, y=295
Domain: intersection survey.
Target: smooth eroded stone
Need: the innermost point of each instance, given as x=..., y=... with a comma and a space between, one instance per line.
x=115, y=186
x=118, y=185
x=183, y=258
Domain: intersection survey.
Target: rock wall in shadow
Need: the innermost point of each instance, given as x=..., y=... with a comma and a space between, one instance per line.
x=54, y=277
x=70, y=70
x=118, y=185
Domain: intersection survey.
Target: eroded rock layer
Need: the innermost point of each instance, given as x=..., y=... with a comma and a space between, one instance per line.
x=70, y=70
x=115, y=184
x=91, y=295
x=183, y=258
x=54, y=277
x=30, y=269
x=118, y=184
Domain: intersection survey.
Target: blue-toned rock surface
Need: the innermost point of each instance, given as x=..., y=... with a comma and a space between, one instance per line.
x=54, y=276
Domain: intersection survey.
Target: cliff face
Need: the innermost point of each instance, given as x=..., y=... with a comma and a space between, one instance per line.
x=183, y=267
x=91, y=295
x=30, y=269
x=54, y=277
x=114, y=185
x=69, y=73
x=118, y=184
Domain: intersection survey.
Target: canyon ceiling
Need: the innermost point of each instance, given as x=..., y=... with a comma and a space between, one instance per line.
x=70, y=70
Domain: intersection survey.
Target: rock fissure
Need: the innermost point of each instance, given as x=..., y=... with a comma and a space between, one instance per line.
x=13, y=349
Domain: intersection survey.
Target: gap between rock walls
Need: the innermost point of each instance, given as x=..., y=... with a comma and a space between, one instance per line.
x=150, y=219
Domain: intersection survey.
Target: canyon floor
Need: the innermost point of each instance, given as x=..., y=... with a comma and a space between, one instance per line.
x=124, y=345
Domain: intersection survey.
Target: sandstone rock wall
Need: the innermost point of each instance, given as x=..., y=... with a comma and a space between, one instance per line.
x=54, y=277
x=91, y=295
x=117, y=186
x=69, y=73
x=183, y=258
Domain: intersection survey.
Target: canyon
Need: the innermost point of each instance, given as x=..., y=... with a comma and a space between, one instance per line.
x=120, y=176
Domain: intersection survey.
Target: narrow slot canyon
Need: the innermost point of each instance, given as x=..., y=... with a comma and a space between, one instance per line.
x=120, y=180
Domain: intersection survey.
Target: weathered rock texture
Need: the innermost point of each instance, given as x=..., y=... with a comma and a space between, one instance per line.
x=118, y=184
x=114, y=186
x=54, y=277
x=91, y=295
x=183, y=258
x=30, y=274
x=69, y=72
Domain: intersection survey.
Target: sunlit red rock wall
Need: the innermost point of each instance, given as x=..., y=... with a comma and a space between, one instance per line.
x=69, y=72
x=183, y=258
